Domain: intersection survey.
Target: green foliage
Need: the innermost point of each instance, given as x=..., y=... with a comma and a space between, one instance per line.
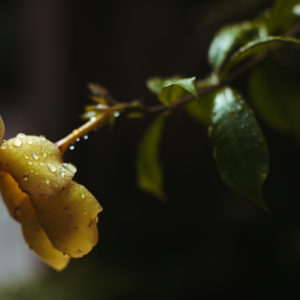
x=257, y=47
x=276, y=97
x=149, y=170
x=230, y=39
x=239, y=148
x=171, y=90
x=282, y=16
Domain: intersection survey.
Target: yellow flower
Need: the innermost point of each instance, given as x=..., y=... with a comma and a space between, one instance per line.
x=58, y=216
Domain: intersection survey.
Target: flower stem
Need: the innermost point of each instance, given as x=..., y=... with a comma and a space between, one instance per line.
x=93, y=123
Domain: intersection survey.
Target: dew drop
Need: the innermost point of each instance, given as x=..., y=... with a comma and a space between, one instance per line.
x=69, y=167
x=85, y=137
x=42, y=164
x=72, y=147
x=18, y=143
x=82, y=196
x=30, y=142
x=93, y=119
x=35, y=156
x=62, y=174
x=116, y=114
x=47, y=181
x=25, y=177
x=44, y=154
x=26, y=156
x=78, y=140
x=51, y=168
x=30, y=163
x=3, y=146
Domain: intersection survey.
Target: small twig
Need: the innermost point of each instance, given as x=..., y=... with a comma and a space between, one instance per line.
x=93, y=123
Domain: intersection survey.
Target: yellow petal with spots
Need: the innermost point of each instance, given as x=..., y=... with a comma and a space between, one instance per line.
x=70, y=219
x=19, y=203
x=36, y=164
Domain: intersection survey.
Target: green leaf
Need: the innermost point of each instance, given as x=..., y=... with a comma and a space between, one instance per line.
x=258, y=47
x=275, y=93
x=171, y=90
x=231, y=38
x=282, y=16
x=239, y=148
x=200, y=109
x=149, y=170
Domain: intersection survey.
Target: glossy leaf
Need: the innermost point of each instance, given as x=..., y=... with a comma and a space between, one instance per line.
x=275, y=94
x=239, y=148
x=282, y=16
x=149, y=170
x=230, y=39
x=171, y=90
x=258, y=47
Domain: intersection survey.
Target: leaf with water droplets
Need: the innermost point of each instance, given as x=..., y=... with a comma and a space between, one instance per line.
x=149, y=170
x=239, y=147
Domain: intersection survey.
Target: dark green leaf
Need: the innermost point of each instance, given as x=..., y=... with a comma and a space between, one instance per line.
x=239, y=148
x=275, y=94
x=282, y=16
x=149, y=170
x=257, y=47
x=230, y=39
x=171, y=90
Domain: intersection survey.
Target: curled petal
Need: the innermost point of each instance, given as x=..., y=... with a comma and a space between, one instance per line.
x=70, y=219
x=20, y=207
x=35, y=163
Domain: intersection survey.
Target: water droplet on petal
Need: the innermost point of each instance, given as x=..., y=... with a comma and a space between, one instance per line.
x=35, y=156
x=18, y=143
x=26, y=175
x=51, y=168
x=116, y=114
x=82, y=196
x=71, y=168
x=72, y=147
x=62, y=174
x=85, y=137
x=47, y=181
x=78, y=140
x=21, y=136
x=30, y=163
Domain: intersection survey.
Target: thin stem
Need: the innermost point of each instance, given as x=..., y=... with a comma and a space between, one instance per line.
x=93, y=123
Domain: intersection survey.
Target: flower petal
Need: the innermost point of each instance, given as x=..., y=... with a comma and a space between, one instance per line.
x=2, y=129
x=20, y=207
x=35, y=163
x=70, y=219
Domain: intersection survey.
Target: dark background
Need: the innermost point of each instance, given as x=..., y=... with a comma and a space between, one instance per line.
x=204, y=242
